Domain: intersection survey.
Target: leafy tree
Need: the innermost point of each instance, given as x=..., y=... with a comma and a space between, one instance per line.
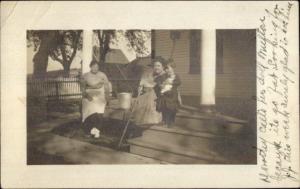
x=62, y=45
x=59, y=45
x=121, y=75
x=136, y=41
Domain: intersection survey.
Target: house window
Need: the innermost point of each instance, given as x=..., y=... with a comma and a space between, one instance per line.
x=152, y=43
x=195, y=51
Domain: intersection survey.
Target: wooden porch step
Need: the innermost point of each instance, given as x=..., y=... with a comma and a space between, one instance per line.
x=212, y=123
x=180, y=146
x=142, y=148
x=195, y=123
x=184, y=132
x=190, y=119
x=196, y=138
x=208, y=116
x=210, y=126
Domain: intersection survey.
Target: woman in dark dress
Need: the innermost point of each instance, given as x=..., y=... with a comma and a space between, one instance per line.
x=166, y=89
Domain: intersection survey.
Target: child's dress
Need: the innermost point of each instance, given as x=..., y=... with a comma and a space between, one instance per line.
x=167, y=102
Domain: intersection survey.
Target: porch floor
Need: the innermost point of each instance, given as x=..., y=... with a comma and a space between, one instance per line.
x=48, y=147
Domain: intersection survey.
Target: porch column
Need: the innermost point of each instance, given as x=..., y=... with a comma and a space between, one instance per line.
x=208, y=69
x=87, y=50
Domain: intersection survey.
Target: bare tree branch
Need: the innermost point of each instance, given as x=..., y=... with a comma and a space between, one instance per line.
x=63, y=52
x=77, y=35
x=54, y=56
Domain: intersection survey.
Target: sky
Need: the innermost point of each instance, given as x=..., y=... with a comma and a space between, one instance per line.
x=54, y=65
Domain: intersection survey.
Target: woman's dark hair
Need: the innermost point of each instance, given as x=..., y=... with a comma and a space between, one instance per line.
x=160, y=59
x=93, y=62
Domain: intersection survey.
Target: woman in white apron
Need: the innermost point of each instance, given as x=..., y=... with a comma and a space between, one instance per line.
x=95, y=89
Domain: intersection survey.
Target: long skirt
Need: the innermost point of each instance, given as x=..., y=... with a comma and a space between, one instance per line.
x=145, y=109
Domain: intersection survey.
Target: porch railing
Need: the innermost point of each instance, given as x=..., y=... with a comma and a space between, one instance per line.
x=54, y=88
x=69, y=88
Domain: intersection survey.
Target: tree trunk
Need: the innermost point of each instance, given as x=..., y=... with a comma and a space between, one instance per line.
x=40, y=63
x=67, y=69
x=40, y=59
x=104, y=38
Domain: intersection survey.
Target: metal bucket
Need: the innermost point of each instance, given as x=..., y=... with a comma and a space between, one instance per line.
x=125, y=100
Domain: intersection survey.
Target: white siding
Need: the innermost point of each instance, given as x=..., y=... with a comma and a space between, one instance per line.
x=238, y=78
x=163, y=46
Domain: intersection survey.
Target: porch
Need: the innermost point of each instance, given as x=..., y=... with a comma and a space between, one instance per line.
x=196, y=138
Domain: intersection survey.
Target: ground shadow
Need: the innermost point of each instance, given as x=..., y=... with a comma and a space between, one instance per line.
x=111, y=132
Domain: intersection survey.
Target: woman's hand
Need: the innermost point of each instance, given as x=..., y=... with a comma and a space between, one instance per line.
x=99, y=85
x=88, y=96
x=96, y=86
x=140, y=90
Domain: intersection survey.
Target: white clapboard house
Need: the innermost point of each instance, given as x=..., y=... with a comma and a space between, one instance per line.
x=217, y=122
x=215, y=66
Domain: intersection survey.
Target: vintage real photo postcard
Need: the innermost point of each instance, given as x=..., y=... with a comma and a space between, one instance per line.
x=149, y=94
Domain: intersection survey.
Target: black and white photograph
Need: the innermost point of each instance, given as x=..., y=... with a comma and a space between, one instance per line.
x=149, y=94
x=141, y=96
